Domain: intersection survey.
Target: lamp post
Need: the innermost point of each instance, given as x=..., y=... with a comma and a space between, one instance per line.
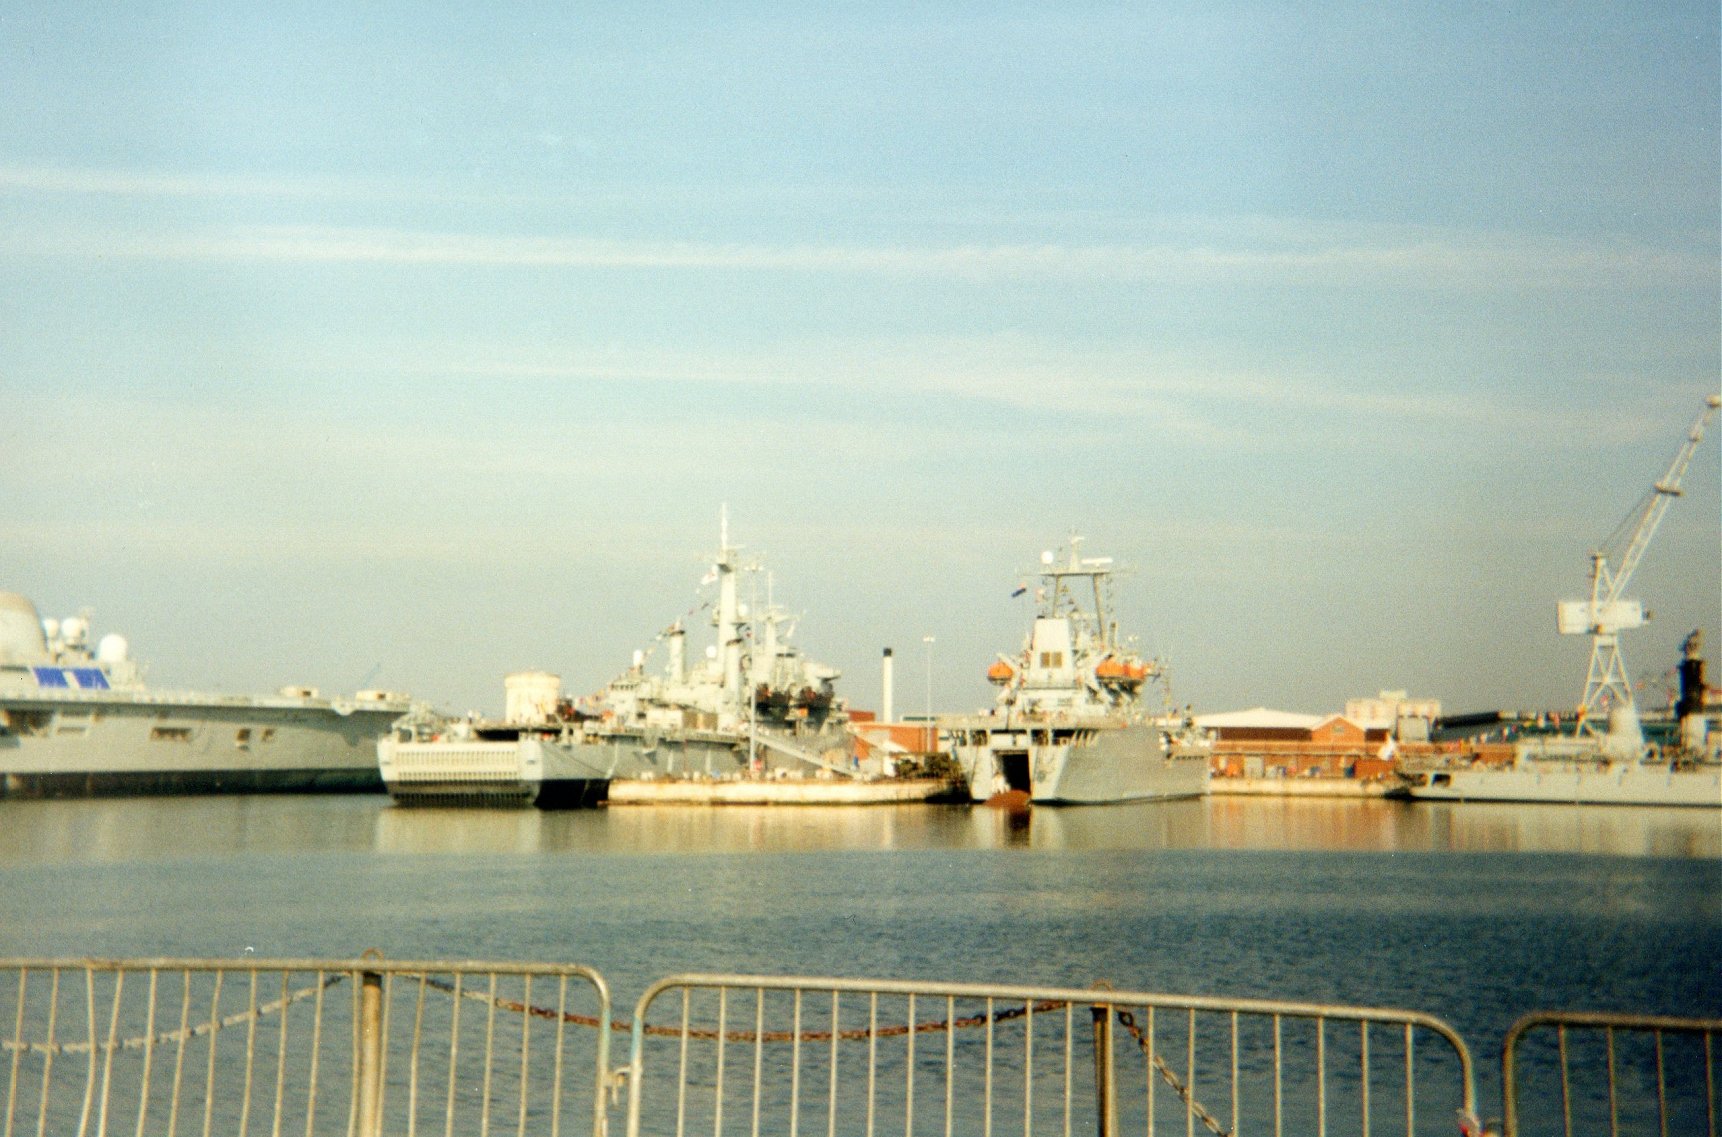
x=932, y=735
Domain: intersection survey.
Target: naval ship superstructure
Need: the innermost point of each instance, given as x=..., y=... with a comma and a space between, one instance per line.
x=1071, y=724
x=77, y=720
x=752, y=705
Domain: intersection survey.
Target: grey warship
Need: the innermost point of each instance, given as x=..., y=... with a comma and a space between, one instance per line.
x=1071, y=725
x=77, y=720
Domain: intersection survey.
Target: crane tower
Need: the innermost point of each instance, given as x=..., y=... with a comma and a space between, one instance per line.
x=1607, y=613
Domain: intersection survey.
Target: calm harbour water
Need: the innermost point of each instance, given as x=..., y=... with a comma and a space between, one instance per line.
x=1476, y=913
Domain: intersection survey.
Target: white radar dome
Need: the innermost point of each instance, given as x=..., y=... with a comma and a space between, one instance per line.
x=21, y=638
x=113, y=648
x=51, y=628
x=74, y=631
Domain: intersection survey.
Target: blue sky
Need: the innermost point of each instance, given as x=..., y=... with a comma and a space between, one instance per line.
x=419, y=345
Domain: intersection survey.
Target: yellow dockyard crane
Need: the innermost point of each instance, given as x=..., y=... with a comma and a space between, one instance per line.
x=1607, y=694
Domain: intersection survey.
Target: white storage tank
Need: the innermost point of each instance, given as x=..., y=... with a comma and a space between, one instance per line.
x=531, y=696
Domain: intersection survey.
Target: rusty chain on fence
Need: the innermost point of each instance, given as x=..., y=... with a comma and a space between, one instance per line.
x=184, y=1034
x=855, y=1034
x=1203, y=1114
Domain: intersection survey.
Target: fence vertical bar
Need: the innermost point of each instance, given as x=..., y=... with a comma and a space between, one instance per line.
x=872, y=1057
x=281, y=1060
x=17, y=1051
x=1321, y=1076
x=413, y=1066
x=758, y=1055
x=951, y=1065
x=1237, y=1125
x=489, y=1059
x=1279, y=1095
x=794, y=1063
x=909, y=1075
x=1190, y=1078
x=1566, y=1081
x=525, y=1048
x=556, y=1066
x=1028, y=1068
x=1069, y=1065
x=1364, y=1061
x=1103, y=1088
x=836, y=1034
x=1153, y=1082
x=1661, y=1090
x=250, y=1055
x=209, y=1074
x=453, y=1050
x=148, y=1056
x=986, y=1067
x=1709, y=1084
x=721, y=1058
x=108, y=1060
x=48, y=1065
x=1410, y=1082
x=1613, y=1093
x=316, y=1054
x=90, y=1066
x=682, y=1068
x=370, y=1053
x=179, y=1052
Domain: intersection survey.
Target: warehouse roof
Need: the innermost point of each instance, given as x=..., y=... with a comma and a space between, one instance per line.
x=1260, y=718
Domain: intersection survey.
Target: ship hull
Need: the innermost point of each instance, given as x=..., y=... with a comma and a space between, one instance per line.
x=566, y=772
x=1576, y=784
x=1089, y=766
x=539, y=772
x=114, y=745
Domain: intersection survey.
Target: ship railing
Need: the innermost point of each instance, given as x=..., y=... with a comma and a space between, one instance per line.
x=1611, y=1073
x=727, y=1053
x=361, y=1047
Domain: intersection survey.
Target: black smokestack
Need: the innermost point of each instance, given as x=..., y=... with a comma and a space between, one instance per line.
x=1691, y=678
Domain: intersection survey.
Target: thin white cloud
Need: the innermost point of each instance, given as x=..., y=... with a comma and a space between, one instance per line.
x=1452, y=261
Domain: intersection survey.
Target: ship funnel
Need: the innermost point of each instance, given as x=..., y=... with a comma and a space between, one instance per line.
x=678, y=654
x=532, y=696
x=887, y=684
x=1689, y=711
x=1625, y=738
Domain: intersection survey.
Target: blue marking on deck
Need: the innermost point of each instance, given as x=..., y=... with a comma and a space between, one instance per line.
x=50, y=677
x=90, y=678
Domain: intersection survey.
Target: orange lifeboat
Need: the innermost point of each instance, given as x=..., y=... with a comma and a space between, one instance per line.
x=1111, y=670
x=1001, y=673
x=1136, y=671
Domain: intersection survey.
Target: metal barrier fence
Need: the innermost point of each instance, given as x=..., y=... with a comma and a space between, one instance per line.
x=1659, y=1074
x=371, y=1046
x=360, y=1047
x=794, y=1055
